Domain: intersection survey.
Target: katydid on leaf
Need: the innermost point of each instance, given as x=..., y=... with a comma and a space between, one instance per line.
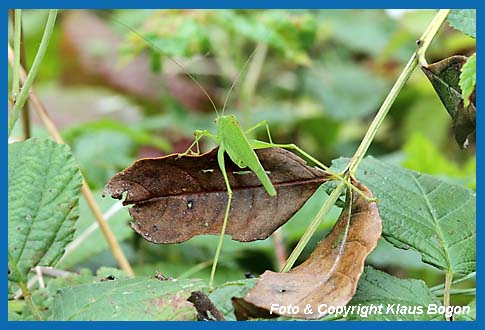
x=233, y=141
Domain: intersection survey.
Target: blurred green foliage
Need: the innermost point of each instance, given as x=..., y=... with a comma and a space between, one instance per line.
x=323, y=77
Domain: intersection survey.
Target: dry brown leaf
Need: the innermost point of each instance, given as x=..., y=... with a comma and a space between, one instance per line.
x=328, y=277
x=178, y=198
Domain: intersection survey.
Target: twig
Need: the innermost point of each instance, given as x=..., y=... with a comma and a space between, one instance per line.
x=27, y=83
x=279, y=248
x=40, y=278
x=54, y=272
x=44, y=271
x=88, y=195
x=90, y=230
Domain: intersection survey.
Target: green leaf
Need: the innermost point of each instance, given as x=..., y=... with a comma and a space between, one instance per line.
x=43, y=189
x=445, y=76
x=12, y=316
x=423, y=156
x=127, y=299
x=401, y=299
x=425, y=213
x=44, y=298
x=468, y=317
x=222, y=294
x=468, y=79
x=346, y=91
x=283, y=31
x=367, y=31
x=464, y=20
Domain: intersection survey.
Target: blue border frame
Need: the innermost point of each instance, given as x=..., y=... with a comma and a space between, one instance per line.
x=248, y=4
x=210, y=4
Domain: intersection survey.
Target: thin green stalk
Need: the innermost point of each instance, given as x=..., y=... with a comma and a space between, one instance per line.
x=17, y=21
x=430, y=33
x=447, y=290
x=468, y=292
x=28, y=299
x=24, y=92
x=313, y=226
x=423, y=44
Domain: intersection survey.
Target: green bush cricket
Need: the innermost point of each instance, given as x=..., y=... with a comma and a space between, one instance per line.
x=232, y=140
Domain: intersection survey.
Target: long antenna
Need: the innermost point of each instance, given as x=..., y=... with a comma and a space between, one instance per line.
x=154, y=46
x=237, y=78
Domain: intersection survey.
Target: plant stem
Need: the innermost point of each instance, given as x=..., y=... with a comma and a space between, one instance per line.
x=430, y=33
x=425, y=40
x=446, y=292
x=424, y=43
x=313, y=226
x=25, y=111
x=86, y=191
x=28, y=298
x=470, y=291
x=17, y=22
x=24, y=92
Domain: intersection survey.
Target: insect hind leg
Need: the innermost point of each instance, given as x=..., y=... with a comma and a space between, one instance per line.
x=262, y=123
x=338, y=177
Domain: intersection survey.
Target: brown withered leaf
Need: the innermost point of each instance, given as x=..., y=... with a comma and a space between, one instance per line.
x=329, y=276
x=176, y=198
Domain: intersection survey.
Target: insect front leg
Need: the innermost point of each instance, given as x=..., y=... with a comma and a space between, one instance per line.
x=198, y=135
x=222, y=166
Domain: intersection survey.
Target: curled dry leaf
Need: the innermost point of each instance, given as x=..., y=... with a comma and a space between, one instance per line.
x=176, y=198
x=445, y=78
x=329, y=276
